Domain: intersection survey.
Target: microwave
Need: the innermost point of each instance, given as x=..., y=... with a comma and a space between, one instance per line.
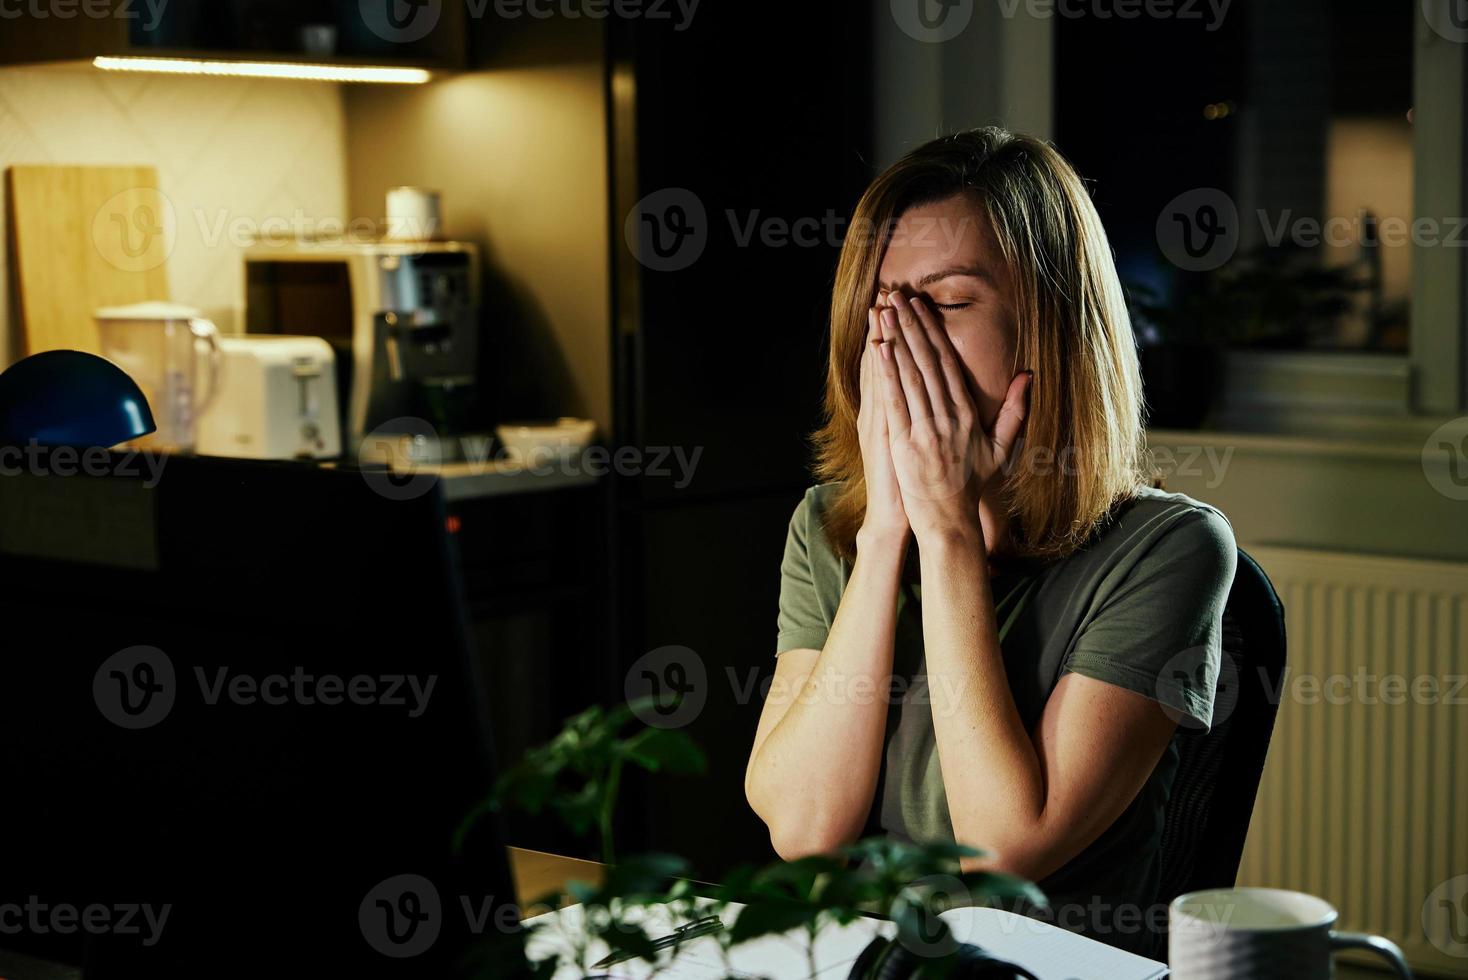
x=402, y=318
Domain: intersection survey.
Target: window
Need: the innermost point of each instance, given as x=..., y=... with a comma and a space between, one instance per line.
x=1254, y=166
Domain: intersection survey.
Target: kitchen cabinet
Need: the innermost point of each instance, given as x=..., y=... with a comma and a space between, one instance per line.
x=535, y=570
x=317, y=32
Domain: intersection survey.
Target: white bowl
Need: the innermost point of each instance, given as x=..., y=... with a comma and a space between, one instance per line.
x=533, y=443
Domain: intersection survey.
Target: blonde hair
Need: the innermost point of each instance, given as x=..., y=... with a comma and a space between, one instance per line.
x=1082, y=450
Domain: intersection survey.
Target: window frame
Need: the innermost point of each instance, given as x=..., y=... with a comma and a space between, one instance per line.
x=1437, y=349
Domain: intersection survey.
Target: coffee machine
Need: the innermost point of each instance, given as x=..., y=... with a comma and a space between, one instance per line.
x=402, y=317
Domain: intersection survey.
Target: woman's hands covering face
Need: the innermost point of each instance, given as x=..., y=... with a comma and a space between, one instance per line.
x=885, y=515
x=938, y=450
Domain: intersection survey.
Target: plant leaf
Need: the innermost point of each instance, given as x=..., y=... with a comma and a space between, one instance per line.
x=665, y=749
x=631, y=940
x=770, y=918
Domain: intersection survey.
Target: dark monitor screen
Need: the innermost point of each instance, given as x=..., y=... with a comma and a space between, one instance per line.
x=239, y=692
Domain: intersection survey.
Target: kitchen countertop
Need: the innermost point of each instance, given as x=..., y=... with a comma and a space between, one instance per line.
x=469, y=481
x=492, y=478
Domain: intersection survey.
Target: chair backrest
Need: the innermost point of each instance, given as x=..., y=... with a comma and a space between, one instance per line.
x=1218, y=771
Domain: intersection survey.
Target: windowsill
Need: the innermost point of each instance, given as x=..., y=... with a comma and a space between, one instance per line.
x=1341, y=438
x=1287, y=383
x=1318, y=402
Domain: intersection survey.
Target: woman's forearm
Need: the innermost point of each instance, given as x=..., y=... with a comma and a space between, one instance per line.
x=812, y=780
x=991, y=771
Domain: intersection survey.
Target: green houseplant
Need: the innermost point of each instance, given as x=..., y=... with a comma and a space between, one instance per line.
x=577, y=777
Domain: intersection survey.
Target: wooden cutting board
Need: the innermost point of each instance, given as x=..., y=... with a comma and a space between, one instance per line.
x=83, y=238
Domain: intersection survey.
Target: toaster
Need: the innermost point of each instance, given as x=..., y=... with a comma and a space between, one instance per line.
x=277, y=399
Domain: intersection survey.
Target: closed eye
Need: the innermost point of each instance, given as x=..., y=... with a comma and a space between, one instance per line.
x=951, y=307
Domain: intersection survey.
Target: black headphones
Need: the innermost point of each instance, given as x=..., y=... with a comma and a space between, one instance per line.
x=894, y=961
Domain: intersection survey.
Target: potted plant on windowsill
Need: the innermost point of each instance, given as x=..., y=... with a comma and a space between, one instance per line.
x=1263, y=299
x=577, y=776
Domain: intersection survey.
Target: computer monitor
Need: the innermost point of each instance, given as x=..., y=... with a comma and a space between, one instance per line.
x=239, y=725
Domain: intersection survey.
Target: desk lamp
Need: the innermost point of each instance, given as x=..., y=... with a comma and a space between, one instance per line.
x=70, y=398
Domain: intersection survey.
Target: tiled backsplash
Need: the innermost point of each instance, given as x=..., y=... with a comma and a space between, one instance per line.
x=231, y=154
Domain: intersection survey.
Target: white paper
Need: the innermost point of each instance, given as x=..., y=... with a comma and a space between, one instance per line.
x=1046, y=951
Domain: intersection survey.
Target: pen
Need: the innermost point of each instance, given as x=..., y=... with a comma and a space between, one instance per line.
x=706, y=926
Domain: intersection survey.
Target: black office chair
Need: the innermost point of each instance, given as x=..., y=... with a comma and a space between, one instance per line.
x=1218, y=771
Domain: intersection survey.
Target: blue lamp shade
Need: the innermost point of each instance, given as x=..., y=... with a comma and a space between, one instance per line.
x=70, y=398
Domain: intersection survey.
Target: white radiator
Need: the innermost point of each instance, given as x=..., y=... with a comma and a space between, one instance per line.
x=1364, y=799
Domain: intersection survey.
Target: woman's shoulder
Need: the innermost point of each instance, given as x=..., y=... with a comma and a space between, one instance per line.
x=1156, y=526
x=807, y=545
x=817, y=499
x=1164, y=511
x=810, y=513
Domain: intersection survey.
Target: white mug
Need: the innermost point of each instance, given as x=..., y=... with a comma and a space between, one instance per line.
x=1261, y=934
x=413, y=215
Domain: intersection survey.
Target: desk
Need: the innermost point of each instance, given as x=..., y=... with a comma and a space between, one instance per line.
x=1047, y=951
x=1039, y=946
x=538, y=874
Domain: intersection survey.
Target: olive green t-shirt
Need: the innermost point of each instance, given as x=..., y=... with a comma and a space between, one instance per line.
x=1140, y=606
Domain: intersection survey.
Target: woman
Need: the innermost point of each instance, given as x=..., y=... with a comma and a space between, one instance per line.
x=986, y=543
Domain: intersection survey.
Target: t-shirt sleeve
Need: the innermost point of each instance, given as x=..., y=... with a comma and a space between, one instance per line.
x=1159, y=631
x=801, y=624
